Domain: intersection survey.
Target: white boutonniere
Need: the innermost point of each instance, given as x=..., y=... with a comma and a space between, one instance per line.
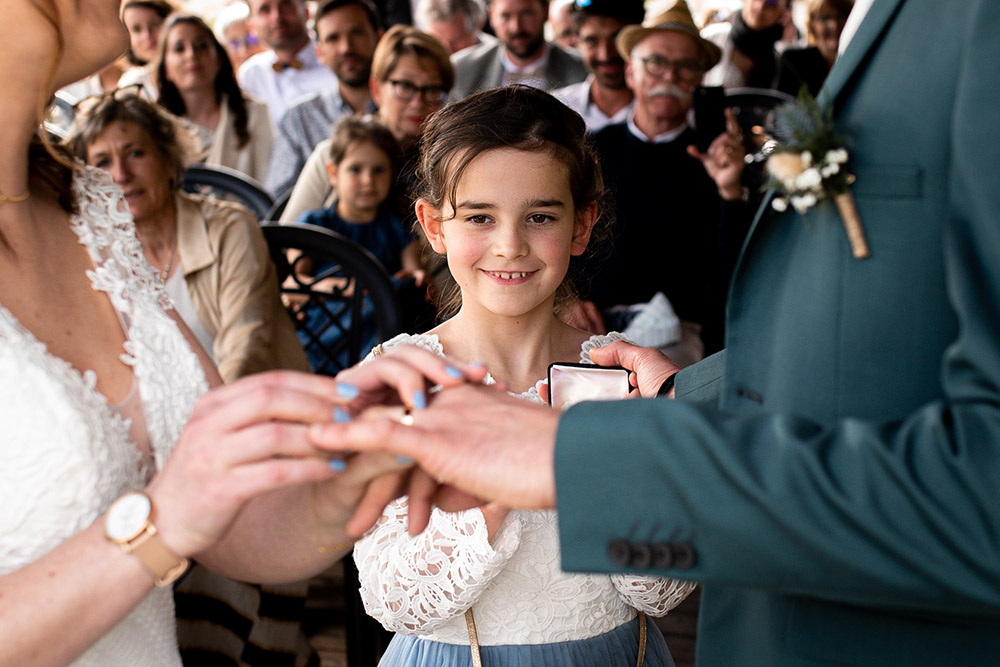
x=809, y=166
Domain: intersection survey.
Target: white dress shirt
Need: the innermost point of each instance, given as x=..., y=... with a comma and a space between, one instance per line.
x=279, y=90
x=577, y=97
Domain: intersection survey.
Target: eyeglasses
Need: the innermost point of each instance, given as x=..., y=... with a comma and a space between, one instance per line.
x=118, y=95
x=404, y=90
x=686, y=69
x=248, y=41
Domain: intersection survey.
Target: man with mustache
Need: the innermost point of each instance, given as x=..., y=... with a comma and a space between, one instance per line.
x=666, y=195
x=348, y=31
x=603, y=97
x=522, y=55
x=289, y=68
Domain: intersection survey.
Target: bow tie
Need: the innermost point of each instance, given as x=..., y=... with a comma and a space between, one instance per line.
x=295, y=63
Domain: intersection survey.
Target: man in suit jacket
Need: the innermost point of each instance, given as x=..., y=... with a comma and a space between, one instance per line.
x=841, y=503
x=521, y=56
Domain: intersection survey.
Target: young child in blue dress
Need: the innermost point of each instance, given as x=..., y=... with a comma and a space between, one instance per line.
x=364, y=163
x=510, y=192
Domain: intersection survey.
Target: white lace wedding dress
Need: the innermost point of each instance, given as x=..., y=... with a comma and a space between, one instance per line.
x=421, y=586
x=66, y=454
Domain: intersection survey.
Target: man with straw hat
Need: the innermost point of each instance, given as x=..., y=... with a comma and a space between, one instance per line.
x=667, y=195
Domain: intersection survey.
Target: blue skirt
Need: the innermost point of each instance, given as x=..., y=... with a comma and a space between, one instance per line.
x=616, y=648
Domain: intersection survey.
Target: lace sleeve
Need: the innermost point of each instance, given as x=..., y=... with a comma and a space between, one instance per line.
x=654, y=595
x=415, y=584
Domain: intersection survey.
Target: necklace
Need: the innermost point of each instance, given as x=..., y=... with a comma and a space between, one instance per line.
x=165, y=272
x=4, y=199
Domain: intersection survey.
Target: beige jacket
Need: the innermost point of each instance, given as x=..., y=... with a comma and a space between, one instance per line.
x=234, y=288
x=253, y=158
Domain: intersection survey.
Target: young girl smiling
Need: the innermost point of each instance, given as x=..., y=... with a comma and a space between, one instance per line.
x=510, y=194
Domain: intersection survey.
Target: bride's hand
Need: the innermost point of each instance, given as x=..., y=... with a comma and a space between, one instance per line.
x=242, y=440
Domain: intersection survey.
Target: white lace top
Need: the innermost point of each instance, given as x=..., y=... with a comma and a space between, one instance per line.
x=423, y=585
x=65, y=453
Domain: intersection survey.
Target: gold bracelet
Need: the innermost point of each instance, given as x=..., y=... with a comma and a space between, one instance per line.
x=324, y=548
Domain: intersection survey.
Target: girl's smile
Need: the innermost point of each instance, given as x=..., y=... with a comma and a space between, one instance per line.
x=512, y=232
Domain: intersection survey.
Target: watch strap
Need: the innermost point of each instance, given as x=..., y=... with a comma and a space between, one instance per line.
x=165, y=566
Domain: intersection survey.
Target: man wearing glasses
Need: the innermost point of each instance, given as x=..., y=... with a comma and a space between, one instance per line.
x=667, y=195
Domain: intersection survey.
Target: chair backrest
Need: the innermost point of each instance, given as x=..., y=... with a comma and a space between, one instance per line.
x=279, y=206
x=752, y=108
x=229, y=184
x=332, y=305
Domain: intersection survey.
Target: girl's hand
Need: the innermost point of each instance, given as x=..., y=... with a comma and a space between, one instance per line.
x=419, y=276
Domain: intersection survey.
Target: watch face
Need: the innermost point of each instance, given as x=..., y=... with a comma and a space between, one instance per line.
x=128, y=516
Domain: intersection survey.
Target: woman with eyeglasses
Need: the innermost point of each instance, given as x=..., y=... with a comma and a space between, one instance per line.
x=118, y=463
x=232, y=29
x=195, y=80
x=411, y=77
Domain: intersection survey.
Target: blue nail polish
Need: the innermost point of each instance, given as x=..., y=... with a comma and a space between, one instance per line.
x=419, y=400
x=454, y=372
x=340, y=416
x=345, y=390
x=405, y=460
x=337, y=465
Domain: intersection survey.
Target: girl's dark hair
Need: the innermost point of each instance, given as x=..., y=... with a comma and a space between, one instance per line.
x=518, y=117
x=176, y=144
x=368, y=129
x=163, y=9
x=225, y=81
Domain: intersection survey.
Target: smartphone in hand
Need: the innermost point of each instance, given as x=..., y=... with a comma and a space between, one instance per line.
x=709, y=115
x=571, y=383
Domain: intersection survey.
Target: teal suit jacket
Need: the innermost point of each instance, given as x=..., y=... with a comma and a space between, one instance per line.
x=841, y=503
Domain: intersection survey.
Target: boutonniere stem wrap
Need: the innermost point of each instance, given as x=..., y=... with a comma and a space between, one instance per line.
x=809, y=167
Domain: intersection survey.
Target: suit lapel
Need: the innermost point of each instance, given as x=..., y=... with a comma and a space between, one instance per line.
x=879, y=17
x=869, y=33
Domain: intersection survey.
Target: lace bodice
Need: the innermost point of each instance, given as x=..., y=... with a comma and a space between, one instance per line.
x=423, y=585
x=66, y=454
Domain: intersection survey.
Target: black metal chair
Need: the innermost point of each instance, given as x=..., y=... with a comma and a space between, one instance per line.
x=363, y=286
x=364, y=282
x=228, y=184
x=279, y=206
x=752, y=108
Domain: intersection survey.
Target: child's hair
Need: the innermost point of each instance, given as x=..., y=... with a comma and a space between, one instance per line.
x=367, y=129
x=518, y=117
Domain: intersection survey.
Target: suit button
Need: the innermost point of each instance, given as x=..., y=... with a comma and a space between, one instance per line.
x=619, y=552
x=663, y=556
x=642, y=556
x=684, y=556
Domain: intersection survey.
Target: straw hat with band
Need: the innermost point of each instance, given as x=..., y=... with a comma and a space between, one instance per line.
x=676, y=19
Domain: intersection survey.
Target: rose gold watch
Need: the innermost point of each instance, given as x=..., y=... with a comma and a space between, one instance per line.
x=129, y=524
